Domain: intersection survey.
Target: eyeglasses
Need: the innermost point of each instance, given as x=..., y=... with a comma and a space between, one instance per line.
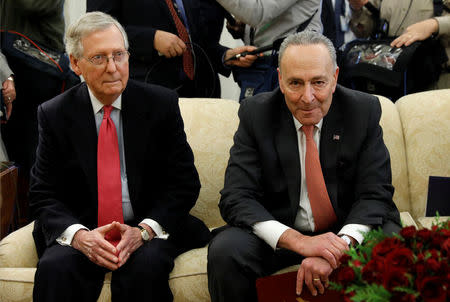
x=118, y=57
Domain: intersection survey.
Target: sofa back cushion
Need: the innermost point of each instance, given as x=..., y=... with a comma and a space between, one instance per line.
x=393, y=138
x=210, y=125
x=425, y=119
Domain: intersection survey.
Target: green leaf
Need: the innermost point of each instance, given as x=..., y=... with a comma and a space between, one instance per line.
x=336, y=286
x=406, y=290
x=371, y=293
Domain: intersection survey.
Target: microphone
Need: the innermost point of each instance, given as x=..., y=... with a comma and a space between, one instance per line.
x=253, y=52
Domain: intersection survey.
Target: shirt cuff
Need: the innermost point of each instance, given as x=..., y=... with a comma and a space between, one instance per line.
x=223, y=60
x=357, y=231
x=270, y=231
x=157, y=228
x=67, y=236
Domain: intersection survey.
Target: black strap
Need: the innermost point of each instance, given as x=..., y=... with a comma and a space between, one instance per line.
x=375, y=11
x=305, y=24
x=438, y=7
x=301, y=27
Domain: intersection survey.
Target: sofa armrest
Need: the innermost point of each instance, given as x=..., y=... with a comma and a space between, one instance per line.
x=18, y=249
x=407, y=219
x=427, y=222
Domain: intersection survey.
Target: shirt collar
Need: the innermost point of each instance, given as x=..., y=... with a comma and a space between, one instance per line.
x=298, y=125
x=97, y=105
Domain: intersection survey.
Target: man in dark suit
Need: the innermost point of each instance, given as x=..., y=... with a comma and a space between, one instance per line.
x=111, y=147
x=276, y=214
x=157, y=49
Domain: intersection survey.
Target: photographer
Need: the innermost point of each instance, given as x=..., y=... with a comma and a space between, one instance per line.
x=409, y=21
x=263, y=23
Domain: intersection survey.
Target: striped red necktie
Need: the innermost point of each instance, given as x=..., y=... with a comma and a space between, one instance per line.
x=188, y=61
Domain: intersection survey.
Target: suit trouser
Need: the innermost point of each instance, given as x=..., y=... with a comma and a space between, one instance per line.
x=65, y=274
x=236, y=258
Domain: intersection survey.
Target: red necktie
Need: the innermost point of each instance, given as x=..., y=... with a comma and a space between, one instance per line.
x=108, y=176
x=188, y=61
x=322, y=210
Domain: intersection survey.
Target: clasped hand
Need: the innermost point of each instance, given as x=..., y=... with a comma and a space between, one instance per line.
x=322, y=254
x=94, y=245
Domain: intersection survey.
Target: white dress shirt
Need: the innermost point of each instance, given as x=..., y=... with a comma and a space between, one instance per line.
x=67, y=236
x=271, y=231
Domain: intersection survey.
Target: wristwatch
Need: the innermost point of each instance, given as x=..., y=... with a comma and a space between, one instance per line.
x=144, y=234
x=347, y=239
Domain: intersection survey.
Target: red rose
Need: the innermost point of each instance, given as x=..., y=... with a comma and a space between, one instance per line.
x=419, y=246
x=395, y=277
x=400, y=258
x=437, y=240
x=424, y=235
x=420, y=257
x=421, y=271
x=434, y=254
x=432, y=290
x=445, y=233
x=445, y=248
x=432, y=264
x=373, y=271
x=385, y=246
x=408, y=232
x=345, y=275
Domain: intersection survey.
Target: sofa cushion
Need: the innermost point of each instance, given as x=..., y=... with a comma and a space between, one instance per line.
x=393, y=138
x=425, y=119
x=17, y=244
x=210, y=125
x=188, y=280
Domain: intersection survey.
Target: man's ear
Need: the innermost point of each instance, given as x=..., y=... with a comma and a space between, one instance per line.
x=74, y=64
x=335, y=77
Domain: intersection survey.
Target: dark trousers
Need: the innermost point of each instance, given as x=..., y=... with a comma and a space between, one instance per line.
x=65, y=274
x=236, y=258
x=262, y=76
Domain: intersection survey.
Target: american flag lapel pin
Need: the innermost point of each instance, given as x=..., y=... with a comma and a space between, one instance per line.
x=336, y=137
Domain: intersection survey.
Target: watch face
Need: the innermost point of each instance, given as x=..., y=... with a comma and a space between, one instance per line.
x=144, y=234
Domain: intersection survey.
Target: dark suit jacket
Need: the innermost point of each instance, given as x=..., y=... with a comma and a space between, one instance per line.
x=328, y=21
x=162, y=180
x=141, y=19
x=262, y=181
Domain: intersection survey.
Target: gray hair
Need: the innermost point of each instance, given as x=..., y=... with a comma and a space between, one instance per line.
x=307, y=37
x=85, y=25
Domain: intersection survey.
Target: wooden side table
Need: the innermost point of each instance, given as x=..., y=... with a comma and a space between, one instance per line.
x=8, y=198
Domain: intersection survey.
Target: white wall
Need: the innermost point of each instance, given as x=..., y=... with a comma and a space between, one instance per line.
x=230, y=90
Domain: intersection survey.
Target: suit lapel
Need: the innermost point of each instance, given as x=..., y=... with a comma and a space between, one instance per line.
x=330, y=140
x=83, y=133
x=287, y=147
x=135, y=136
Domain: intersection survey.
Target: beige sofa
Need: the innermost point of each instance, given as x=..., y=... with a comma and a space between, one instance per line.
x=416, y=132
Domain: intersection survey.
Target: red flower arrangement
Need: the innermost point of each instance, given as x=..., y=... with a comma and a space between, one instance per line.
x=410, y=266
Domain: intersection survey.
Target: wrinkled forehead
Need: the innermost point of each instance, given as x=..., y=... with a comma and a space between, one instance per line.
x=312, y=56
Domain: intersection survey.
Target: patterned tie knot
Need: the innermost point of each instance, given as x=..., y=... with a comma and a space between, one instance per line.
x=107, y=111
x=308, y=130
